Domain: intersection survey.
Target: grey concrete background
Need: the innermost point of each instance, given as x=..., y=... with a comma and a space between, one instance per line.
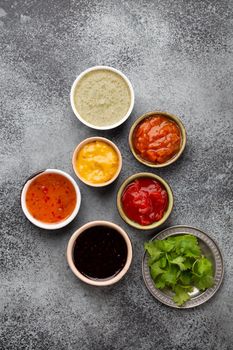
x=178, y=56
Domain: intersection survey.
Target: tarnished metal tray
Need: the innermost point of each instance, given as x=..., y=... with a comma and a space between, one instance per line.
x=209, y=249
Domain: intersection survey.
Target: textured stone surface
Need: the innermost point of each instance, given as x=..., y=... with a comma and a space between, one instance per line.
x=178, y=56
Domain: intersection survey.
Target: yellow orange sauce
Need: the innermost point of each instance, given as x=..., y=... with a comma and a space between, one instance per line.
x=51, y=198
x=97, y=162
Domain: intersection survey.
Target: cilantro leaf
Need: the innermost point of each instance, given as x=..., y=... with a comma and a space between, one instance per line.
x=185, y=278
x=203, y=273
x=188, y=245
x=170, y=275
x=181, y=295
x=204, y=282
x=153, y=251
x=165, y=245
x=179, y=261
x=188, y=263
x=160, y=284
x=155, y=270
x=176, y=263
x=203, y=266
x=163, y=262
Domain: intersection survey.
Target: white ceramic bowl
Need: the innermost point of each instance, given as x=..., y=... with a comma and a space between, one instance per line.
x=83, y=143
x=105, y=282
x=106, y=127
x=41, y=224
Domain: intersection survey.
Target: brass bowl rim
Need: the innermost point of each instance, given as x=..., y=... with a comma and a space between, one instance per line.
x=156, y=223
x=173, y=118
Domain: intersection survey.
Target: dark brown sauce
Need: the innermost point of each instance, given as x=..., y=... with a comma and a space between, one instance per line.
x=100, y=252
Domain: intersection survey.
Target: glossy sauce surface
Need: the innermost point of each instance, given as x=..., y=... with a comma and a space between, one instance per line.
x=51, y=198
x=144, y=201
x=157, y=139
x=100, y=252
x=97, y=162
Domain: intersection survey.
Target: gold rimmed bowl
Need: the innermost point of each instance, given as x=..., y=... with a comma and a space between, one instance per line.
x=169, y=116
x=167, y=212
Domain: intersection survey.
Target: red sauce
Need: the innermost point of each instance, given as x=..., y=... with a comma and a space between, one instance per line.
x=51, y=198
x=157, y=139
x=145, y=201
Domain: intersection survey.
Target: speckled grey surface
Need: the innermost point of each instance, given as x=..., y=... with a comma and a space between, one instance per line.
x=178, y=56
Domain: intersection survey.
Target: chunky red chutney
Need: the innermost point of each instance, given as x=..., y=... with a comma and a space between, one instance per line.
x=157, y=139
x=144, y=201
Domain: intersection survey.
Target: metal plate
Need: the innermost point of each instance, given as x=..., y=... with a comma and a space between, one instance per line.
x=209, y=249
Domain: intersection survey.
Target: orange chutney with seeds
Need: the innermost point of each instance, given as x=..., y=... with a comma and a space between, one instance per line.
x=51, y=198
x=157, y=139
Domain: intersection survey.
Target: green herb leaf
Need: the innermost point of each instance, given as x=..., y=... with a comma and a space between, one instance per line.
x=177, y=263
x=165, y=245
x=155, y=270
x=188, y=245
x=181, y=295
x=203, y=270
x=160, y=284
x=188, y=263
x=185, y=278
x=204, y=282
x=163, y=262
x=153, y=251
x=203, y=266
x=170, y=275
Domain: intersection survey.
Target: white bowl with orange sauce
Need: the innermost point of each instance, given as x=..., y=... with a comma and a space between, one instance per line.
x=50, y=199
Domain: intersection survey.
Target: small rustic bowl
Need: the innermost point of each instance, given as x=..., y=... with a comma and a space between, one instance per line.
x=48, y=226
x=91, y=139
x=183, y=137
x=106, y=127
x=166, y=214
x=99, y=282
